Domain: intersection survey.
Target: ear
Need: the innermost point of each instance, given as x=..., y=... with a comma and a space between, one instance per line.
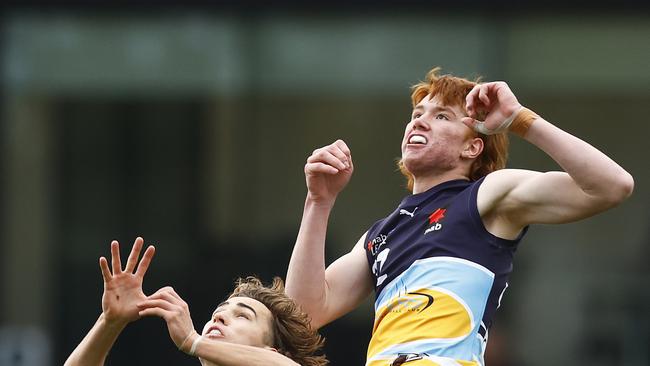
x=473, y=148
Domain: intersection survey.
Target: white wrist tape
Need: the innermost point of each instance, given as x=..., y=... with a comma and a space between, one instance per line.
x=194, y=345
x=185, y=340
x=503, y=127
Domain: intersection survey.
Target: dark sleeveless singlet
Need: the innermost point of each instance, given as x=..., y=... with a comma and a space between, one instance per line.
x=439, y=278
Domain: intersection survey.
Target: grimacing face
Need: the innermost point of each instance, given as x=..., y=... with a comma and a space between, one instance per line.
x=241, y=320
x=434, y=138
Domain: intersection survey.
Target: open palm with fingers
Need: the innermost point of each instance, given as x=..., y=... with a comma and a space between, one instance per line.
x=123, y=288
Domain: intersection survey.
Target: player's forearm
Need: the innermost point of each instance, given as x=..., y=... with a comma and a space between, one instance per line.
x=595, y=173
x=230, y=354
x=306, y=274
x=95, y=346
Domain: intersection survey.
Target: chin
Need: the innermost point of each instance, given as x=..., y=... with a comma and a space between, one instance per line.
x=425, y=166
x=415, y=167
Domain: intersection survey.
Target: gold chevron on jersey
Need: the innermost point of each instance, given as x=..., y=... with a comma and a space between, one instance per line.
x=424, y=314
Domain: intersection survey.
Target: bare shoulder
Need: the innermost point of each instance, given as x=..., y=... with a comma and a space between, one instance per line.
x=361, y=242
x=498, y=185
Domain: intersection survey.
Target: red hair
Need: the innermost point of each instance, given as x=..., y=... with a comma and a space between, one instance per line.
x=451, y=91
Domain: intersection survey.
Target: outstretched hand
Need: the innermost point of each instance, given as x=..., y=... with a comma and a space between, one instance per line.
x=328, y=170
x=496, y=102
x=123, y=288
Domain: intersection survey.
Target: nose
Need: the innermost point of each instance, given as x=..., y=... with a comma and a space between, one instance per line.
x=221, y=317
x=419, y=124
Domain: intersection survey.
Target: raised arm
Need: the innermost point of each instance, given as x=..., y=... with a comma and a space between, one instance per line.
x=122, y=293
x=231, y=354
x=168, y=305
x=325, y=294
x=590, y=183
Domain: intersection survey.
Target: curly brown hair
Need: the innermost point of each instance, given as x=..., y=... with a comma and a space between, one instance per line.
x=452, y=91
x=292, y=333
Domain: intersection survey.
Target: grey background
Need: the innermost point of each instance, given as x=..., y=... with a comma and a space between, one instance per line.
x=190, y=127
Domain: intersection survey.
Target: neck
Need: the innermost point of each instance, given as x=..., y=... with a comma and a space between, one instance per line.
x=424, y=183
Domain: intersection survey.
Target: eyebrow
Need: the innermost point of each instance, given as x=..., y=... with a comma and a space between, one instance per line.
x=240, y=304
x=248, y=307
x=437, y=108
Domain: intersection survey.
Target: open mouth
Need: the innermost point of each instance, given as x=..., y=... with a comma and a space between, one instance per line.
x=417, y=140
x=214, y=333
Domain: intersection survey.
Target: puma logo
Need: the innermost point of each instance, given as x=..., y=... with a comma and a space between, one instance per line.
x=405, y=212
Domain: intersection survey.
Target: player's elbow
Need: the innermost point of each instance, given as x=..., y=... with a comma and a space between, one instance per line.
x=625, y=186
x=317, y=316
x=317, y=322
x=620, y=189
x=312, y=307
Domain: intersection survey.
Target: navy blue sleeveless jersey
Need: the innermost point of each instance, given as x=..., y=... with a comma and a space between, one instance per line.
x=439, y=278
